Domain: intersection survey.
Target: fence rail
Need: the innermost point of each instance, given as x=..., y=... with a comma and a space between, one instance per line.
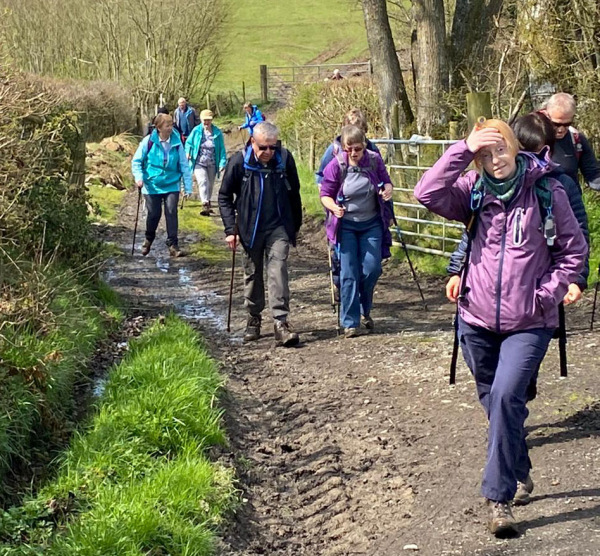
x=281, y=80
x=407, y=160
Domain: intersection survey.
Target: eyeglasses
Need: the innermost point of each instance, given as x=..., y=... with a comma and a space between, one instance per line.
x=561, y=124
x=266, y=147
x=354, y=149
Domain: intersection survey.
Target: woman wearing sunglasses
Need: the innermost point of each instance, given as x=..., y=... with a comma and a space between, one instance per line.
x=355, y=190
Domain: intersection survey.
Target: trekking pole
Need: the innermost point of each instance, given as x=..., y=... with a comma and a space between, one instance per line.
x=454, y=351
x=595, y=300
x=137, y=215
x=412, y=268
x=562, y=339
x=182, y=200
x=331, y=284
x=231, y=280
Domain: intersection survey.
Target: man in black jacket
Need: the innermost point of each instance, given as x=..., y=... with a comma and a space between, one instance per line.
x=260, y=200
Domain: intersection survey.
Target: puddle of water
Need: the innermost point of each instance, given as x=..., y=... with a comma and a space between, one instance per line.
x=162, y=264
x=99, y=386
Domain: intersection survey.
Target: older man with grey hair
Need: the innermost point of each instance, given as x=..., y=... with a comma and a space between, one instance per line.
x=185, y=118
x=260, y=204
x=572, y=150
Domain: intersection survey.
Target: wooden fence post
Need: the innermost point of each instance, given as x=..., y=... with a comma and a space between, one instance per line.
x=264, y=84
x=207, y=101
x=311, y=154
x=478, y=105
x=244, y=91
x=298, y=149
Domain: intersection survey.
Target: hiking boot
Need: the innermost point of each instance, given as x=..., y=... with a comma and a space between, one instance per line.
x=350, y=332
x=524, y=490
x=502, y=522
x=284, y=335
x=146, y=247
x=205, y=209
x=368, y=323
x=174, y=251
x=252, y=329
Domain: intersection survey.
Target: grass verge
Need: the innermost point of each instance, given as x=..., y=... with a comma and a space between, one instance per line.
x=309, y=192
x=137, y=480
x=41, y=360
x=105, y=203
x=208, y=228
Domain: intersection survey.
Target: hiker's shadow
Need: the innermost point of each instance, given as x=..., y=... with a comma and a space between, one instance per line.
x=583, y=424
x=576, y=514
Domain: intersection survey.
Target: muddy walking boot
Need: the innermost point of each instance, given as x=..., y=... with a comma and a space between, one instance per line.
x=502, y=522
x=368, y=323
x=174, y=251
x=252, y=329
x=146, y=247
x=205, y=209
x=524, y=490
x=284, y=336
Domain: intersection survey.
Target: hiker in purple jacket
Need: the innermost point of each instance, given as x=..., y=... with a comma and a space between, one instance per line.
x=354, y=190
x=517, y=274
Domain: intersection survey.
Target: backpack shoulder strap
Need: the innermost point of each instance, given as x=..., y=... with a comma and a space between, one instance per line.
x=576, y=139
x=342, y=164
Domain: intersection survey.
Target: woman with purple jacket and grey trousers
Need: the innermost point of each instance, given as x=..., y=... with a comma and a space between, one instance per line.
x=522, y=259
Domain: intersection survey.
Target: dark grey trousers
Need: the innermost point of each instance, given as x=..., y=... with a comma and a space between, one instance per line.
x=154, y=204
x=272, y=247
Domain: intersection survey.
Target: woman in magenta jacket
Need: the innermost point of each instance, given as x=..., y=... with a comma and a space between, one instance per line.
x=517, y=275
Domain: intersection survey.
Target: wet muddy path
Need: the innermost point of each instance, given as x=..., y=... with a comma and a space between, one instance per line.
x=360, y=446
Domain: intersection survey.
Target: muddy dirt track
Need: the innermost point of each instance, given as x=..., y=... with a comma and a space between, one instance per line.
x=359, y=446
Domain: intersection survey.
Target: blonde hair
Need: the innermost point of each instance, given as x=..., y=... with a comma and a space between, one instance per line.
x=507, y=133
x=352, y=135
x=355, y=117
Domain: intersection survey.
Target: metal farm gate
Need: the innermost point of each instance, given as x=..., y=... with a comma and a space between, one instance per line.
x=407, y=160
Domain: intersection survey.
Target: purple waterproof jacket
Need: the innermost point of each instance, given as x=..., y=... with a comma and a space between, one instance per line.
x=514, y=281
x=374, y=167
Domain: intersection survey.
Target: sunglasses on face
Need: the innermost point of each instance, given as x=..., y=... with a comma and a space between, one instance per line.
x=263, y=148
x=354, y=149
x=560, y=124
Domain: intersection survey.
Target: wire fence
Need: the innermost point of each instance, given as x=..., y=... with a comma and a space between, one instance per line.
x=407, y=160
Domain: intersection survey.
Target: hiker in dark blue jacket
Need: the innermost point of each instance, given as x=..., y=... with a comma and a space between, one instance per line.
x=185, y=118
x=534, y=132
x=352, y=117
x=253, y=117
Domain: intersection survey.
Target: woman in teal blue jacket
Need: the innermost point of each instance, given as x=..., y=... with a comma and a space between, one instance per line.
x=158, y=166
x=205, y=150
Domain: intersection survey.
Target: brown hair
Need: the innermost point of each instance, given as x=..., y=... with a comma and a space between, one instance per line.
x=160, y=119
x=507, y=133
x=352, y=135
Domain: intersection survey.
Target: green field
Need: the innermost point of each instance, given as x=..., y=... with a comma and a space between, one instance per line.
x=287, y=33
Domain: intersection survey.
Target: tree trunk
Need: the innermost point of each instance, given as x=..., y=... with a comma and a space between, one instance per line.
x=393, y=100
x=473, y=30
x=430, y=66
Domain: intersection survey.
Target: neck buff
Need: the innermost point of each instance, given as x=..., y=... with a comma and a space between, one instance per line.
x=504, y=190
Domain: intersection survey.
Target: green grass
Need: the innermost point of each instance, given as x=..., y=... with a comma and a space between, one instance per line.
x=208, y=228
x=40, y=363
x=592, y=207
x=137, y=480
x=309, y=192
x=286, y=33
x=106, y=202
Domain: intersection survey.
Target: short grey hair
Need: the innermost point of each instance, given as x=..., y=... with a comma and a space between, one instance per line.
x=266, y=130
x=563, y=102
x=351, y=135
